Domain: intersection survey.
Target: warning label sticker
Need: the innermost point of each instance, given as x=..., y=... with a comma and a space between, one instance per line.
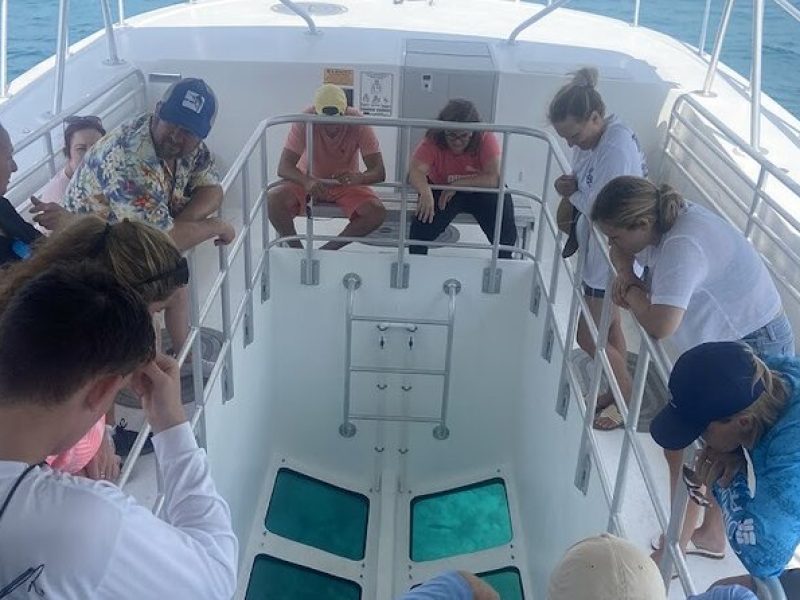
x=375, y=95
x=341, y=77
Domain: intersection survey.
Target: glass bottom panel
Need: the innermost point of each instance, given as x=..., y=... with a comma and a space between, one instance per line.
x=318, y=514
x=506, y=582
x=275, y=579
x=460, y=521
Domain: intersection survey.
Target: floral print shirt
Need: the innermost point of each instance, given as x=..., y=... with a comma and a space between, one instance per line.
x=122, y=178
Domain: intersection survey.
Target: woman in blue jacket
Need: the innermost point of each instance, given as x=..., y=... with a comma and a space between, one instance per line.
x=742, y=407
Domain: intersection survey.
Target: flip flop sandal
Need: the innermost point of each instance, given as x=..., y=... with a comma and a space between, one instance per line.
x=692, y=548
x=609, y=413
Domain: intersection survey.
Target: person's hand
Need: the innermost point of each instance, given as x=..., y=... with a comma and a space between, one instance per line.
x=719, y=467
x=348, y=178
x=425, y=209
x=225, y=234
x=105, y=463
x=48, y=214
x=445, y=197
x=622, y=284
x=158, y=384
x=315, y=188
x=480, y=589
x=566, y=185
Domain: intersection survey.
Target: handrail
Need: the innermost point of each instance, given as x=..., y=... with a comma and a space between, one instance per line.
x=303, y=14
x=535, y=18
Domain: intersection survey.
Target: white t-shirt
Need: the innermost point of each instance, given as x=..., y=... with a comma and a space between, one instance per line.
x=87, y=539
x=56, y=188
x=617, y=153
x=708, y=268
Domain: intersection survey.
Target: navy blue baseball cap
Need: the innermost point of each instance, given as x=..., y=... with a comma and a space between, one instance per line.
x=710, y=382
x=191, y=104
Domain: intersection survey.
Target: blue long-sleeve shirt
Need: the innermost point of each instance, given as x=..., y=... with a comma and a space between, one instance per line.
x=764, y=528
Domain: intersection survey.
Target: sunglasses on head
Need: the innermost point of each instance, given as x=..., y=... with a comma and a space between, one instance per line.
x=89, y=120
x=179, y=275
x=457, y=135
x=331, y=111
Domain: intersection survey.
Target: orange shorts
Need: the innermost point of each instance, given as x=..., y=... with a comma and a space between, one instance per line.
x=346, y=197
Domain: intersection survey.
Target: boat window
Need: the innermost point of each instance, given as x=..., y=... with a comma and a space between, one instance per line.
x=318, y=514
x=459, y=521
x=506, y=582
x=275, y=579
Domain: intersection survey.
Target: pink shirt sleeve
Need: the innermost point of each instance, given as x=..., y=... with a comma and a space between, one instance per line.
x=426, y=152
x=490, y=148
x=368, y=141
x=296, y=140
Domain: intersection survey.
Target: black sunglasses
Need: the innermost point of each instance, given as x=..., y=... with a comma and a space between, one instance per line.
x=331, y=111
x=90, y=120
x=179, y=275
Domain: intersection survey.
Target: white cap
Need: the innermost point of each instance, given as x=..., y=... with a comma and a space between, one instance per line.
x=606, y=568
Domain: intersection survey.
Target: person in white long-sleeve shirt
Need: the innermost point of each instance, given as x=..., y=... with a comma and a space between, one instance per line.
x=72, y=338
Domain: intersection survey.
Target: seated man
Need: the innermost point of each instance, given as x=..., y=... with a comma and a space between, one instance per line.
x=156, y=169
x=452, y=585
x=72, y=338
x=16, y=235
x=334, y=176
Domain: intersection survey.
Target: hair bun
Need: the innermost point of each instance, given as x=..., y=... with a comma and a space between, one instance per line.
x=585, y=77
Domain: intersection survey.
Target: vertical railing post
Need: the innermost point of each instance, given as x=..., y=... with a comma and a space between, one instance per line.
x=543, y=208
x=351, y=283
x=451, y=287
x=637, y=5
x=121, y=11
x=265, y=224
x=701, y=44
x=111, y=41
x=492, y=275
x=399, y=276
x=248, y=256
x=755, y=204
x=4, y=49
x=61, y=55
x=755, y=74
x=712, y=65
x=227, y=331
x=310, y=267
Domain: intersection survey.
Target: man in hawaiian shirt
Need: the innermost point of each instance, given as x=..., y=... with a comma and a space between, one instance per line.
x=155, y=168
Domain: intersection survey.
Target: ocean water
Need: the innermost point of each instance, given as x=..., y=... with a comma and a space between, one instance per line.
x=33, y=25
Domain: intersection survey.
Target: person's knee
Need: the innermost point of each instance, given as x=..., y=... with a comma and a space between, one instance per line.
x=281, y=201
x=372, y=211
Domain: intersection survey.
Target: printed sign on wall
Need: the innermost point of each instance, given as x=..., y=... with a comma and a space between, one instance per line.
x=340, y=77
x=375, y=95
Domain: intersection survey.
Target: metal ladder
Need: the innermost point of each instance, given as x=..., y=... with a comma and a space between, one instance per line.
x=352, y=282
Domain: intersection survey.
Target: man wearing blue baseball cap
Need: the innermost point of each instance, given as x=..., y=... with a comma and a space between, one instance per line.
x=747, y=412
x=155, y=168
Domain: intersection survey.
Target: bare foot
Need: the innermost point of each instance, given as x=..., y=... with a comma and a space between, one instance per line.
x=604, y=401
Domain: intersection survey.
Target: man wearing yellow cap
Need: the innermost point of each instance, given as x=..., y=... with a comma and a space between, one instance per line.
x=335, y=176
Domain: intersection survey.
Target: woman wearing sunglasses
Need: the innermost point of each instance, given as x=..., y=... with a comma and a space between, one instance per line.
x=139, y=256
x=747, y=412
x=80, y=134
x=461, y=158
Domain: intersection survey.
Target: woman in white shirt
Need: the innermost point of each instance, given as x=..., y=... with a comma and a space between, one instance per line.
x=80, y=134
x=604, y=148
x=704, y=282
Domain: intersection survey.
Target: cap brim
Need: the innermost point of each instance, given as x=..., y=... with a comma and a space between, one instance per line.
x=671, y=432
x=184, y=119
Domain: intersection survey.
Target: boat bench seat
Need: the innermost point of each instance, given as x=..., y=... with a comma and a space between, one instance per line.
x=524, y=212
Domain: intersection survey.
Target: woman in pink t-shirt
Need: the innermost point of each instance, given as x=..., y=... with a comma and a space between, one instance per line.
x=80, y=134
x=458, y=158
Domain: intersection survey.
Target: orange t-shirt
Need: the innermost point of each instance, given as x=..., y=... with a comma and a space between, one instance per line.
x=76, y=458
x=333, y=154
x=446, y=167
